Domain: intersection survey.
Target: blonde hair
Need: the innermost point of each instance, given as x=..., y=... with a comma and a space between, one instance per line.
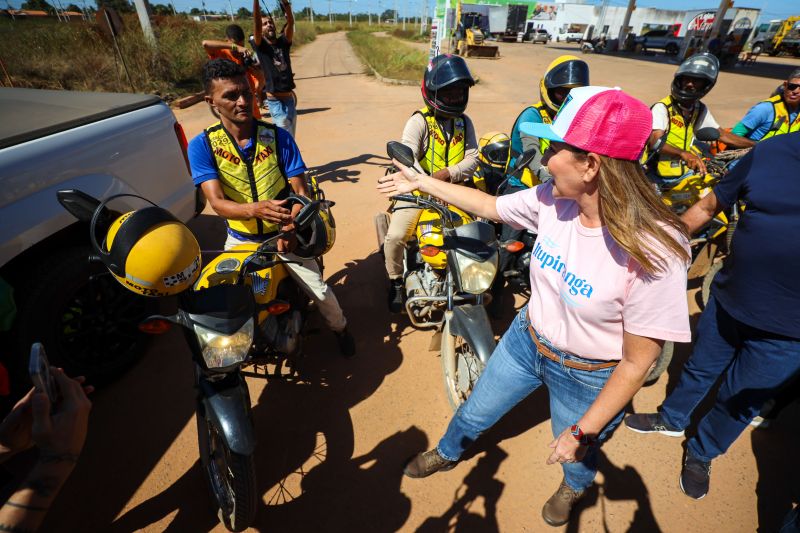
x=636, y=216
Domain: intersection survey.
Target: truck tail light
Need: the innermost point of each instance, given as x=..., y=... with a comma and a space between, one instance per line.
x=184, y=145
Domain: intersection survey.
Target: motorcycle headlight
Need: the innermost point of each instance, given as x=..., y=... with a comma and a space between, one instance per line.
x=476, y=276
x=219, y=350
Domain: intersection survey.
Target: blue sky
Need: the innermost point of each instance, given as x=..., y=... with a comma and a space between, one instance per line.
x=772, y=9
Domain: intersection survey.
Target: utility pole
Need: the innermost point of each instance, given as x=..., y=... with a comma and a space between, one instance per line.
x=310, y=8
x=174, y=11
x=396, y=15
x=623, y=31
x=144, y=21
x=423, y=18
x=230, y=8
x=330, y=16
x=717, y=26
x=350, y=5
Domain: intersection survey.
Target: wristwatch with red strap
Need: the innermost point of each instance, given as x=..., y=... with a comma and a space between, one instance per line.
x=581, y=437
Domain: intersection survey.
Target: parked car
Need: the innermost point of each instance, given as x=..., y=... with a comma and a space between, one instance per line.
x=569, y=37
x=103, y=144
x=659, y=40
x=540, y=36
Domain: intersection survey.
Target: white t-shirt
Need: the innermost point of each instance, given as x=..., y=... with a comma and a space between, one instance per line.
x=586, y=290
x=661, y=118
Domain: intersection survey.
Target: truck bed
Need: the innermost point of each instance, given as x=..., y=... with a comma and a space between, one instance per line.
x=32, y=113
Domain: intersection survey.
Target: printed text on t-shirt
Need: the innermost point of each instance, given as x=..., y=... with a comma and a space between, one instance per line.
x=576, y=285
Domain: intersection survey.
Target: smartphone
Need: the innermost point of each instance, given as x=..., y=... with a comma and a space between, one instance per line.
x=39, y=368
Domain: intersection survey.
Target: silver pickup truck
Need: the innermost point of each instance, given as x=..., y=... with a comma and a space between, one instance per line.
x=659, y=40
x=103, y=144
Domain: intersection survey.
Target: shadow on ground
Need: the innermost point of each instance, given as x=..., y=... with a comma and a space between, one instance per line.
x=343, y=170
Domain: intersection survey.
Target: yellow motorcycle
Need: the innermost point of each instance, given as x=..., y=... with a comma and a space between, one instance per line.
x=244, y=310
x=449, y=264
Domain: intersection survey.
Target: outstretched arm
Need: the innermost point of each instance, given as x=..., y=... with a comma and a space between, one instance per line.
x=287, y=9
x=257, y=22
x=408, y=180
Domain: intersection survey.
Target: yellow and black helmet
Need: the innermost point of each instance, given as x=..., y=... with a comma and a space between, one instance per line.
x=565, y=71
x=318, y=236
x=494, y=149
x=149, y=251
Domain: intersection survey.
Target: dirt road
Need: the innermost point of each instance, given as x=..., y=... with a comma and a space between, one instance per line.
x=331, y=448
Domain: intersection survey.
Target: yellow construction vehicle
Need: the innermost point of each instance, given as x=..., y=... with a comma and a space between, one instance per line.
x=469, y=40
x=778, y=37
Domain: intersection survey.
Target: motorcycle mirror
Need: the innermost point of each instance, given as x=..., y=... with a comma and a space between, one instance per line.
x=707, y=134
x=401, y=152
x=78, y=203
x=525, y=159
x=304, y=218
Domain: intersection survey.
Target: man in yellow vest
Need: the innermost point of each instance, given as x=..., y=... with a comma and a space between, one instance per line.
x=246, y=168
x=774, y=116
x=443, y=141
x=681, y=113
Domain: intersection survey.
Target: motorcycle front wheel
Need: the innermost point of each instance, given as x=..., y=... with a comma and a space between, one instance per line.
x=231, y=477
x=461, y=367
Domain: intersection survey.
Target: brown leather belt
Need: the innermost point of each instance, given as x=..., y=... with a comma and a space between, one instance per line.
x=577, y=365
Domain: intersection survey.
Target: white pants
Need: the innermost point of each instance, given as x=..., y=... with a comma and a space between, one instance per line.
x=308, y=276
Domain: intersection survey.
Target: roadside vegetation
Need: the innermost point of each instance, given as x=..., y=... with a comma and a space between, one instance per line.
x=390, y=57
x=412, y=35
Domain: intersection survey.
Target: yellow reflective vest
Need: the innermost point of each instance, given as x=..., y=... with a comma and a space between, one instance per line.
x=679, y=135
x=443, y=152
x=780, y=123
x=528, y=178
x=246, y=181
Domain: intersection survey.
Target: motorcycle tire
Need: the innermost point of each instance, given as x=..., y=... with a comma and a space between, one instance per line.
x=231, y=477
x=87, y=321
x=662, y=363
x=461, y=368
x=707, y=280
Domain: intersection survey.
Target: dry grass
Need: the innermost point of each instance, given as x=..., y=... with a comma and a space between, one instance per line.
x=77, y=56
x=388, y=56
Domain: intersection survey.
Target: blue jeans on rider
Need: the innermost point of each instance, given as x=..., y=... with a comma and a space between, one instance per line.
x=516, y=369
x=755, y=362
x=283, y=113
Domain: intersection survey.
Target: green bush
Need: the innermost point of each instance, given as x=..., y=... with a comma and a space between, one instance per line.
x=388, y=56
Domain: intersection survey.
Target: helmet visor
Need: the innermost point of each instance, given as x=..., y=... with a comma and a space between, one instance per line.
x=568, y=74
x=496, y=153
x=448, y=71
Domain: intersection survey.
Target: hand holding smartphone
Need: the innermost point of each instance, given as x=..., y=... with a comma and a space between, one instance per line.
x=42, y=378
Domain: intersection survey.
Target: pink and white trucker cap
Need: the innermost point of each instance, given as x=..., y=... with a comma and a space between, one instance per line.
x=602, y=120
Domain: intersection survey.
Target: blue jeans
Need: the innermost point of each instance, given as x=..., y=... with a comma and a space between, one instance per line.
x=756, y=363
x=283, y=113
x=515, y=370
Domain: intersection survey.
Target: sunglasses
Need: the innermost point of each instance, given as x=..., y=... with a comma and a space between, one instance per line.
x=792, y=86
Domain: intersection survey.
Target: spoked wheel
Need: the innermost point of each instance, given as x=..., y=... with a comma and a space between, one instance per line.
x=708, y=279
x=662, y=363
x=461, y=367
x=231, y=477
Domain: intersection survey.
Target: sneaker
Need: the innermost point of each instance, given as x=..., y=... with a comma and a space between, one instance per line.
x=427, y=463
x=760, y=422
x=396, y=295
x=651, y=423
x=557, y=509
x=347, y=344
x=695, y=476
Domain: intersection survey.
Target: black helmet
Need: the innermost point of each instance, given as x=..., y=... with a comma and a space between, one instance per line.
x=318, y=237
x=703, y=66
x=565, y=71
x=445, y=71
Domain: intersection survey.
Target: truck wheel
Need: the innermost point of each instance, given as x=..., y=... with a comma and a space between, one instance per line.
x=86, y=320
x=672, y=49
x=758, y=48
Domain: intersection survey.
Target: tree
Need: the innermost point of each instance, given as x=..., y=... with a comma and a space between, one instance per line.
x=244, y=13
x=195, y=11
x=389, y=14
x=73, y=7
x=120, y=6
x=38, y=5
x=161, y=9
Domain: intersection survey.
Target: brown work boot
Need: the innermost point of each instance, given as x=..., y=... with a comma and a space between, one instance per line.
x=556, y=511
x=427, y=463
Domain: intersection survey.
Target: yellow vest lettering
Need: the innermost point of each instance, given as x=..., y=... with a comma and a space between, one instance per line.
x=780, y=123
x=244, y=182
x=442, y=152
x=679, y=135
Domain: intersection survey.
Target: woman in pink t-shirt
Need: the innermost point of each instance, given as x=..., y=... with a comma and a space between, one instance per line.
x=608, y=287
